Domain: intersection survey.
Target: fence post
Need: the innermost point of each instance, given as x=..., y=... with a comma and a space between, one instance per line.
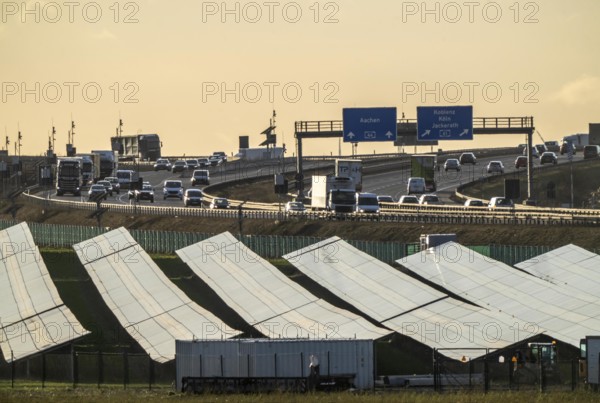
x=43, y=370
x=125, y=370
x=100, y=369
x=574, y=368
x=74, y=366
x=486, y=375
x=12, y=369
x=150, y=372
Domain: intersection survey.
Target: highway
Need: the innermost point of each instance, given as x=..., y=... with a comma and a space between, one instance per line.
x=386, y=183
x=394, y=183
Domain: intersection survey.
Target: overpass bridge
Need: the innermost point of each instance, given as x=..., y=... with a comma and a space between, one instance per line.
x=319, y=129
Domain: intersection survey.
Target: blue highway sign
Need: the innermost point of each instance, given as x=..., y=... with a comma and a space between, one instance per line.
x=444, y=123
x=369, y=124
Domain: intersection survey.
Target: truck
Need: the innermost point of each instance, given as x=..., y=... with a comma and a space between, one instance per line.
x=333, y=193
x=145, y=147
x=69, y=178
x=90, y=168
x=350, y=168
x=589, y=360
x=578, y=140
x=424, y=166
x=108, y=162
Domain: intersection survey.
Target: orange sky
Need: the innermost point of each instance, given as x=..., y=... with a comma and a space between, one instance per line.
x=201, y=74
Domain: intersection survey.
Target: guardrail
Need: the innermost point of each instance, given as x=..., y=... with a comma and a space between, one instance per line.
x=405, y=214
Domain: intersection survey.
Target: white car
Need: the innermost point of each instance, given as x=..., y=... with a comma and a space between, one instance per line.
x=408, y=199
x=173, y=189
x=495, y=166
x=295, y=207
x=430, y=200
x=474, y=203
x=500, y=202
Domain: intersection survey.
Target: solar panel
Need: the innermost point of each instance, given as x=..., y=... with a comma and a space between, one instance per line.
x=147, y=304
x=456, y=327
x=33, y=316
x=265, y=298
x=498, y=287
x=372, y=286
x=569, y=266
x=404, y=304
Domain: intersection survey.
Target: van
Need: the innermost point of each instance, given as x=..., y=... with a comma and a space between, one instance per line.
x=415, y=185
x=126, y=177
x=552, y=145
x=591, y=151
x=367, y=203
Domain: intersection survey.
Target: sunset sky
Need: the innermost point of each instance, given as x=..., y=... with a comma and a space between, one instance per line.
x=201, y=73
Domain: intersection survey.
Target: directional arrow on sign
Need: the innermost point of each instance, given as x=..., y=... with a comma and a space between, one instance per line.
x=350, y=135
x=466, y=131
x=427, y=132
x=389, y=135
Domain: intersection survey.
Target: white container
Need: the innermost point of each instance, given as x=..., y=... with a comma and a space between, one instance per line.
x=290, y=358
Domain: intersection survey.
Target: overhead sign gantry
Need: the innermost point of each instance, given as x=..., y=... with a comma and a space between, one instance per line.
x=408, y=128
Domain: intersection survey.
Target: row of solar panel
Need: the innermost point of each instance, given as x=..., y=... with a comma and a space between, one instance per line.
x=508, y=305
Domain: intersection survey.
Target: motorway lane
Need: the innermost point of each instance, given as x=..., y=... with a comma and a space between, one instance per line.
x=394, y=183
x=228, y=172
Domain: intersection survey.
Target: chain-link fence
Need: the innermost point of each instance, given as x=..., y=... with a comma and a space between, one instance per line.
x=88, y=369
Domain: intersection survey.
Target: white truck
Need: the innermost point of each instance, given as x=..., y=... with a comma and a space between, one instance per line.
x=350, y=168
x=333, y=193
x=589, y=360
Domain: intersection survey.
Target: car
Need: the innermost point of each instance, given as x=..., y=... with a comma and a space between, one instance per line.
x=145, y=193
x=430, y=199
x=221, y=155
x=367, y=203
x=114, y=181
x=521, y=162
x=200, y=177
x=294, y=207
x=552, y=145
x=591, y=151
x=534, y=152
x=203, y=163
x=97, y=192
x=408, y=199
x=548, y=158
x=179, y=166
x=162, y=164
x=500, y=202
x=452, y=164
x=541, y=148
x=566, y=146
x=415, y=185
x=467, y=158
x=192, y=197
x=384, y=199
x=495, y=166
x=522, y=146
x=215, y=160
x=107, y=186
x=219, y=203
x=474, y=203
x=173, y=188
x=191, y=164
x=132, y=191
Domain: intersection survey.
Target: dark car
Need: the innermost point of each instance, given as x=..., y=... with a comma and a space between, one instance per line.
x=107, y=185
x=97, y=192
x=192, y=197
x=467, y=158
x=162, y=165
x=146, y=193
x=179, y=166
x=219, y=203
x=521, y=162
x=591, y=151
x=215, y=160
x=203, y=163
x=192, y=164
x=566, y=146
x=452, y=164
x=548, y=158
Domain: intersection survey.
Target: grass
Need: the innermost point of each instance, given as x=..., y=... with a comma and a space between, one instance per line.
x=62, y=394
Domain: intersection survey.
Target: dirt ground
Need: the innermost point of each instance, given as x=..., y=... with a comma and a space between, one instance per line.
x=552, y=236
